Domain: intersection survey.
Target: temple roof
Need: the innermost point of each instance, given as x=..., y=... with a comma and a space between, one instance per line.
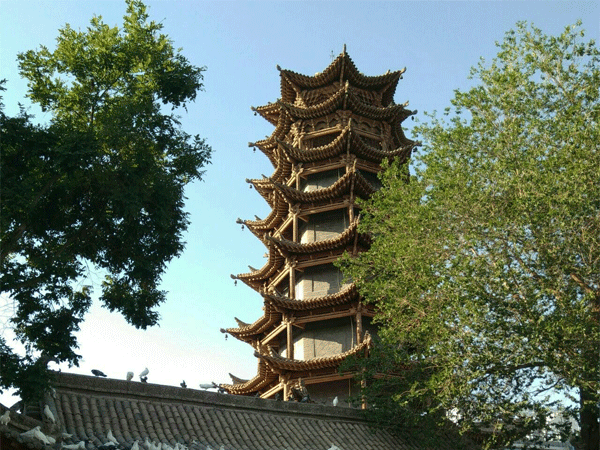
x=88, y=408
x=341, y=69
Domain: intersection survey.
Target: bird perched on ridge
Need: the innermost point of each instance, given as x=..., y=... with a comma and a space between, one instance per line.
x=111, y=438
x=48, y=414
x=135, y=446
x=206, y=386
x=5, y=418
x=129, y=376
x=335, y=401
x=144, y=375
x=182, y=384
x=98, y=373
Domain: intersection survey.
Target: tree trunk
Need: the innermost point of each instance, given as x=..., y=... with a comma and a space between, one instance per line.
x=588, y=418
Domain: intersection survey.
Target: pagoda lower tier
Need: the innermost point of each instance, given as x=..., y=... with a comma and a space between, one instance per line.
x=332, y=132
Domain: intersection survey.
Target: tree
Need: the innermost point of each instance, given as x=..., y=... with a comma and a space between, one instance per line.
x=100, y=188
x=485, y=266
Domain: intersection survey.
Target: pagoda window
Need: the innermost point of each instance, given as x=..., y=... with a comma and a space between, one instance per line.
x=317, y=281
x=319, y=141
x=371, y=178
x=320, y=180
x=323, y=226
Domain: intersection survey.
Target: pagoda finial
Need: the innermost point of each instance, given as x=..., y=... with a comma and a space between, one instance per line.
x=344, y=50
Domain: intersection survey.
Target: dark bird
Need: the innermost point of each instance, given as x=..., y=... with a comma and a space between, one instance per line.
x=182, y=384
x=98, y=373
x=144, y=379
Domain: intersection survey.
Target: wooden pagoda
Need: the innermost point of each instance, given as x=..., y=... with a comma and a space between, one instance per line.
x=332, y=131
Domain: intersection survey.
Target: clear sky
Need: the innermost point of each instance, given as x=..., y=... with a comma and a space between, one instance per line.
x=240, y=43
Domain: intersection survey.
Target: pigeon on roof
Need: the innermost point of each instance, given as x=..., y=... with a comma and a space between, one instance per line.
x=36, y=433
x=182, y=384
x=129, y=376
x=111, y=438
x=48, y=414
x=206, y=386
x=98, y=373
x=5, y=418
x=144, y=372
x=135, y=446
x=335, y=401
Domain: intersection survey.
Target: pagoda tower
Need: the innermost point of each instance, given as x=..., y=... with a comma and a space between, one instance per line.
x=332, y=131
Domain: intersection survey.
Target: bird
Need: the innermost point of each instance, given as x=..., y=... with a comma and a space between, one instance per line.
x=206, y=386
x=135, y=446
x=66, y=435
x=98, y=373
x=129, y=376
x=111, y=438
x=36, y=433
x=48, y=414
x=144, y=379
x=79, y=446
x=144, y=373
x=335, y=401
x=5, y=418
x=182, y=384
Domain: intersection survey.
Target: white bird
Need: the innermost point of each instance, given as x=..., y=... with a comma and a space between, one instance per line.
x=129, y=376
x=144, y=372
x=111, y=438
x=49, y=414
x=335, y=401
x=79, y=446
x=35, y=433
x=147, y=443
x=206, y=386
x=66, y=435
x=135, y=445
x=5, y=418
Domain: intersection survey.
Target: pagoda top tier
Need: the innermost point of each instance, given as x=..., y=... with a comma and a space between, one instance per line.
x=341, y=70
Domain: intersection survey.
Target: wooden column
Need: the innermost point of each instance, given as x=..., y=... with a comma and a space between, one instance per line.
x=359, y=330
x=290, y=340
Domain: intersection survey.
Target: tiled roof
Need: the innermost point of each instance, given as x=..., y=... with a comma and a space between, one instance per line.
x=88, y=408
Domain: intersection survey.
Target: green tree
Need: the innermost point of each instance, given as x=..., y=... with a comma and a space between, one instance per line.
x=100, y=188
x=485, y=266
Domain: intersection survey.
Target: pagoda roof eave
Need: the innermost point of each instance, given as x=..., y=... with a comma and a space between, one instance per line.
x=327, y=244
x=341, y=69
x=345, y=295
x=336, y=190
x=264, y=377
x=278, y=362
x=334, y=148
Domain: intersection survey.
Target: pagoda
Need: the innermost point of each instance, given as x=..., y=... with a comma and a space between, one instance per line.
x=332, y=131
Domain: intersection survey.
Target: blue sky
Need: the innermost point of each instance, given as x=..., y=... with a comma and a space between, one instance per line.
x=241, y=43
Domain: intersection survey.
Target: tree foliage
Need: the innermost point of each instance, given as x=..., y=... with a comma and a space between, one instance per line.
x=485, y=266
x=100, y=188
